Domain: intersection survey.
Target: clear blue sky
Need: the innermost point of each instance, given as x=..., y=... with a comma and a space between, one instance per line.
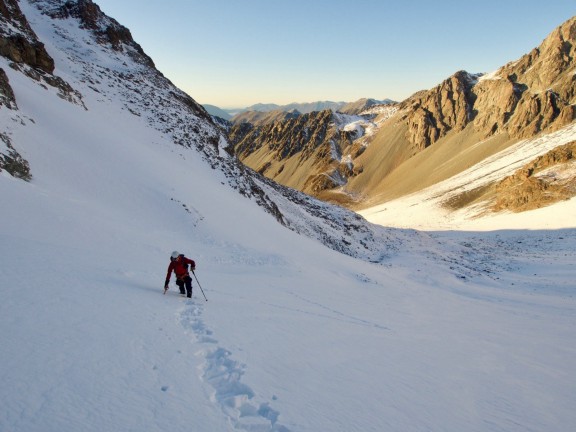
x=234, y=53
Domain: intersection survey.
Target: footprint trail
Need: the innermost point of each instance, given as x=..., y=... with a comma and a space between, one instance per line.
x=224, y=375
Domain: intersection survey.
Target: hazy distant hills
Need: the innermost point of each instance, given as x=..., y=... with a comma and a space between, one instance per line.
x=304, y=108
x=215, y=111
x=264, y=117
x=236, y=115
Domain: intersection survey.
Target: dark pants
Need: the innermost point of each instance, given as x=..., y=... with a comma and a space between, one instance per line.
x=185, y=281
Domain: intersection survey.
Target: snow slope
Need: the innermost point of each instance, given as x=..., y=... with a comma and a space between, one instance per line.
x=425, y=210
x=461, y=331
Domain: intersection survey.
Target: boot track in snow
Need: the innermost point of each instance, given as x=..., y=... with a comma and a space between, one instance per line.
x=224, y=375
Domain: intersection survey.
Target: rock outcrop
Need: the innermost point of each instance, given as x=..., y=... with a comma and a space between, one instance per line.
x=18, y=42
x=546, y=180
x=12, y=161
x=539, y=88
x=107, y=30
x=296, y=143
x=7, y=97
x=448, y=107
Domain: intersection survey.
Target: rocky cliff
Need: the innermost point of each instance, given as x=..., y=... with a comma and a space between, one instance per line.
x=448, y=107
x=107, y=30
x=523, y=98
x=547, y=179
x=303, y=151
x=18, y=42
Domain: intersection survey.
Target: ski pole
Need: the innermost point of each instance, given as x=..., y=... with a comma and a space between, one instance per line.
x=199, y=285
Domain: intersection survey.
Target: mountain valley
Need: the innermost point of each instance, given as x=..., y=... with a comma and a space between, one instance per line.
x=370, y=157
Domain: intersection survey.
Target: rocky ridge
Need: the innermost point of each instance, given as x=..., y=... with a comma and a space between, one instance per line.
x=547, y=179
x=523, y=99
x=363, y=105
x=321, y=140
x=531, y=95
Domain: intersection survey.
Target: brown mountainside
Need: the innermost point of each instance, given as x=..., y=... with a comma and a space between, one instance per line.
x=302, y=151
x=434, y=134
x=261, y=118
x=468, y=117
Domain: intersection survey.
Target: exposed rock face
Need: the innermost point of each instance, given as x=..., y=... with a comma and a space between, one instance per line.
x=6, y=93
x=18, y=42
x=496, y=101
x=541, y=89
x=12, y=161
x=106, y=29
x=448, y=107
x=239, y=134
x=548, y=179
x=523, y=98
x=302, y=134
x=310, y=138
x=551, y=65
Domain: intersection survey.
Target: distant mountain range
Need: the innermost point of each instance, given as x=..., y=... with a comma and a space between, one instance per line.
x=303, y=108
x=215, y=111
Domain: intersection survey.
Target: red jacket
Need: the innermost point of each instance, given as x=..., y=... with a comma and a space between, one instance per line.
x=179, y=267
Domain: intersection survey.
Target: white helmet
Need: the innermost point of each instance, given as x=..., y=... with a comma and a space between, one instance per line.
x=175, y=254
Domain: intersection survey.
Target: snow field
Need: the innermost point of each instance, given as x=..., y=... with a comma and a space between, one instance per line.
x=451, y=331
